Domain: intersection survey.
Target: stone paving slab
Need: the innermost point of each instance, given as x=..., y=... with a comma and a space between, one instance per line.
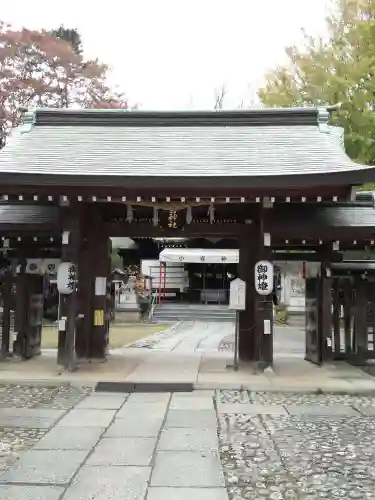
x=46, y=467
x=188, y=439
x=12, y=492
x=366, y=410
x=180, y=402
x=74, y=438
x=109, y=483
x=101, y=402
x=29, y=418
x=149, y=397
x=123, y=451
x=204, y=393
x=134, y=409
x=135, y=426
x=312, y=409
x=187, y=494
x=191, y=418
x=87, y=418
x=251, y=409
x=187, y=469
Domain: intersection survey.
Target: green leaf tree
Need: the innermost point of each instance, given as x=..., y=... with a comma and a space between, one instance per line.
x=340, y=68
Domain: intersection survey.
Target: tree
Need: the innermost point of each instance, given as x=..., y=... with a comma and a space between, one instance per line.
x=69, y=35
x=339, y=69
x=38, y=69
x=220, y=94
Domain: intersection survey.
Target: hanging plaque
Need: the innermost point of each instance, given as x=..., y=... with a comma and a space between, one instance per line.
x=264, y=277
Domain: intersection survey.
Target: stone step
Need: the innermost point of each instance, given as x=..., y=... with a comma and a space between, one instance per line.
x=188, y=307
x=173, y=319
x=192, y=312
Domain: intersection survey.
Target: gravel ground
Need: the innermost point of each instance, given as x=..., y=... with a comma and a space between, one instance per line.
x=58, y=398
x=277, y=398
x=276, y=457
x=13, y=441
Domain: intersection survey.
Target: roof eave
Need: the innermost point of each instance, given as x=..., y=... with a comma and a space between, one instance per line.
x=308, y=180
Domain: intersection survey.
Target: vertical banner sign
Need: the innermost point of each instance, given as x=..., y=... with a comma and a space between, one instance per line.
x=264, y=277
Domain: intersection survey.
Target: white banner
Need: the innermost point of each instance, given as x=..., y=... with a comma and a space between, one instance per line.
x=200, y=255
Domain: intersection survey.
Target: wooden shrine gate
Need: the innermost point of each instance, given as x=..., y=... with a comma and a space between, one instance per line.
x=340, y=314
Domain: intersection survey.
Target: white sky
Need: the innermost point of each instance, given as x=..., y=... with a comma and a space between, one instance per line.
x=172, y=54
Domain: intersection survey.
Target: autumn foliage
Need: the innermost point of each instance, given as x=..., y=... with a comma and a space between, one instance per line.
x=38, y=69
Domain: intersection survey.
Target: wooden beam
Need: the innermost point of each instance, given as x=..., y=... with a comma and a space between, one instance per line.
x=307, y=257
x=139, y=230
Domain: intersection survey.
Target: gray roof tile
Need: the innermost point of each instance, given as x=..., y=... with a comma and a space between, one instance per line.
x=178, y=151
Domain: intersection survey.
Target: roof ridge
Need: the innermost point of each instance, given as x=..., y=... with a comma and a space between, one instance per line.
x=143, y=118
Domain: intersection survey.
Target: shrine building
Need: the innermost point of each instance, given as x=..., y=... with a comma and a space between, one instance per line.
x=275, y=182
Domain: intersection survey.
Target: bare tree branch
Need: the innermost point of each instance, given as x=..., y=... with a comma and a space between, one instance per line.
x=220, y=94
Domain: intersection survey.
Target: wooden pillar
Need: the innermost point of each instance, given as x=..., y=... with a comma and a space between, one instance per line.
x=7, y=301
x=101, y=252
x=85, y=291
x=34, y=316
x=360, y=319
x=29, y=313
x=21, y=310
x=94, y=290
x=71, y=246
x=254, y=343
x=247, y=318
x=263, y=303
x=325, y=313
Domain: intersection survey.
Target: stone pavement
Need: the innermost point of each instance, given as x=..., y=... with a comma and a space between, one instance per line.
x=203, y=445
x=189, y=337
x=198, y=353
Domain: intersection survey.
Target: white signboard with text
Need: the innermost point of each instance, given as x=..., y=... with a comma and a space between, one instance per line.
x=237, y=295
x=264, y=277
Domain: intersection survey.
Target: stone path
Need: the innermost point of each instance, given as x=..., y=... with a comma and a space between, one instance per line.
x=212, y=337
x=203, y=445
x=189, y=337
